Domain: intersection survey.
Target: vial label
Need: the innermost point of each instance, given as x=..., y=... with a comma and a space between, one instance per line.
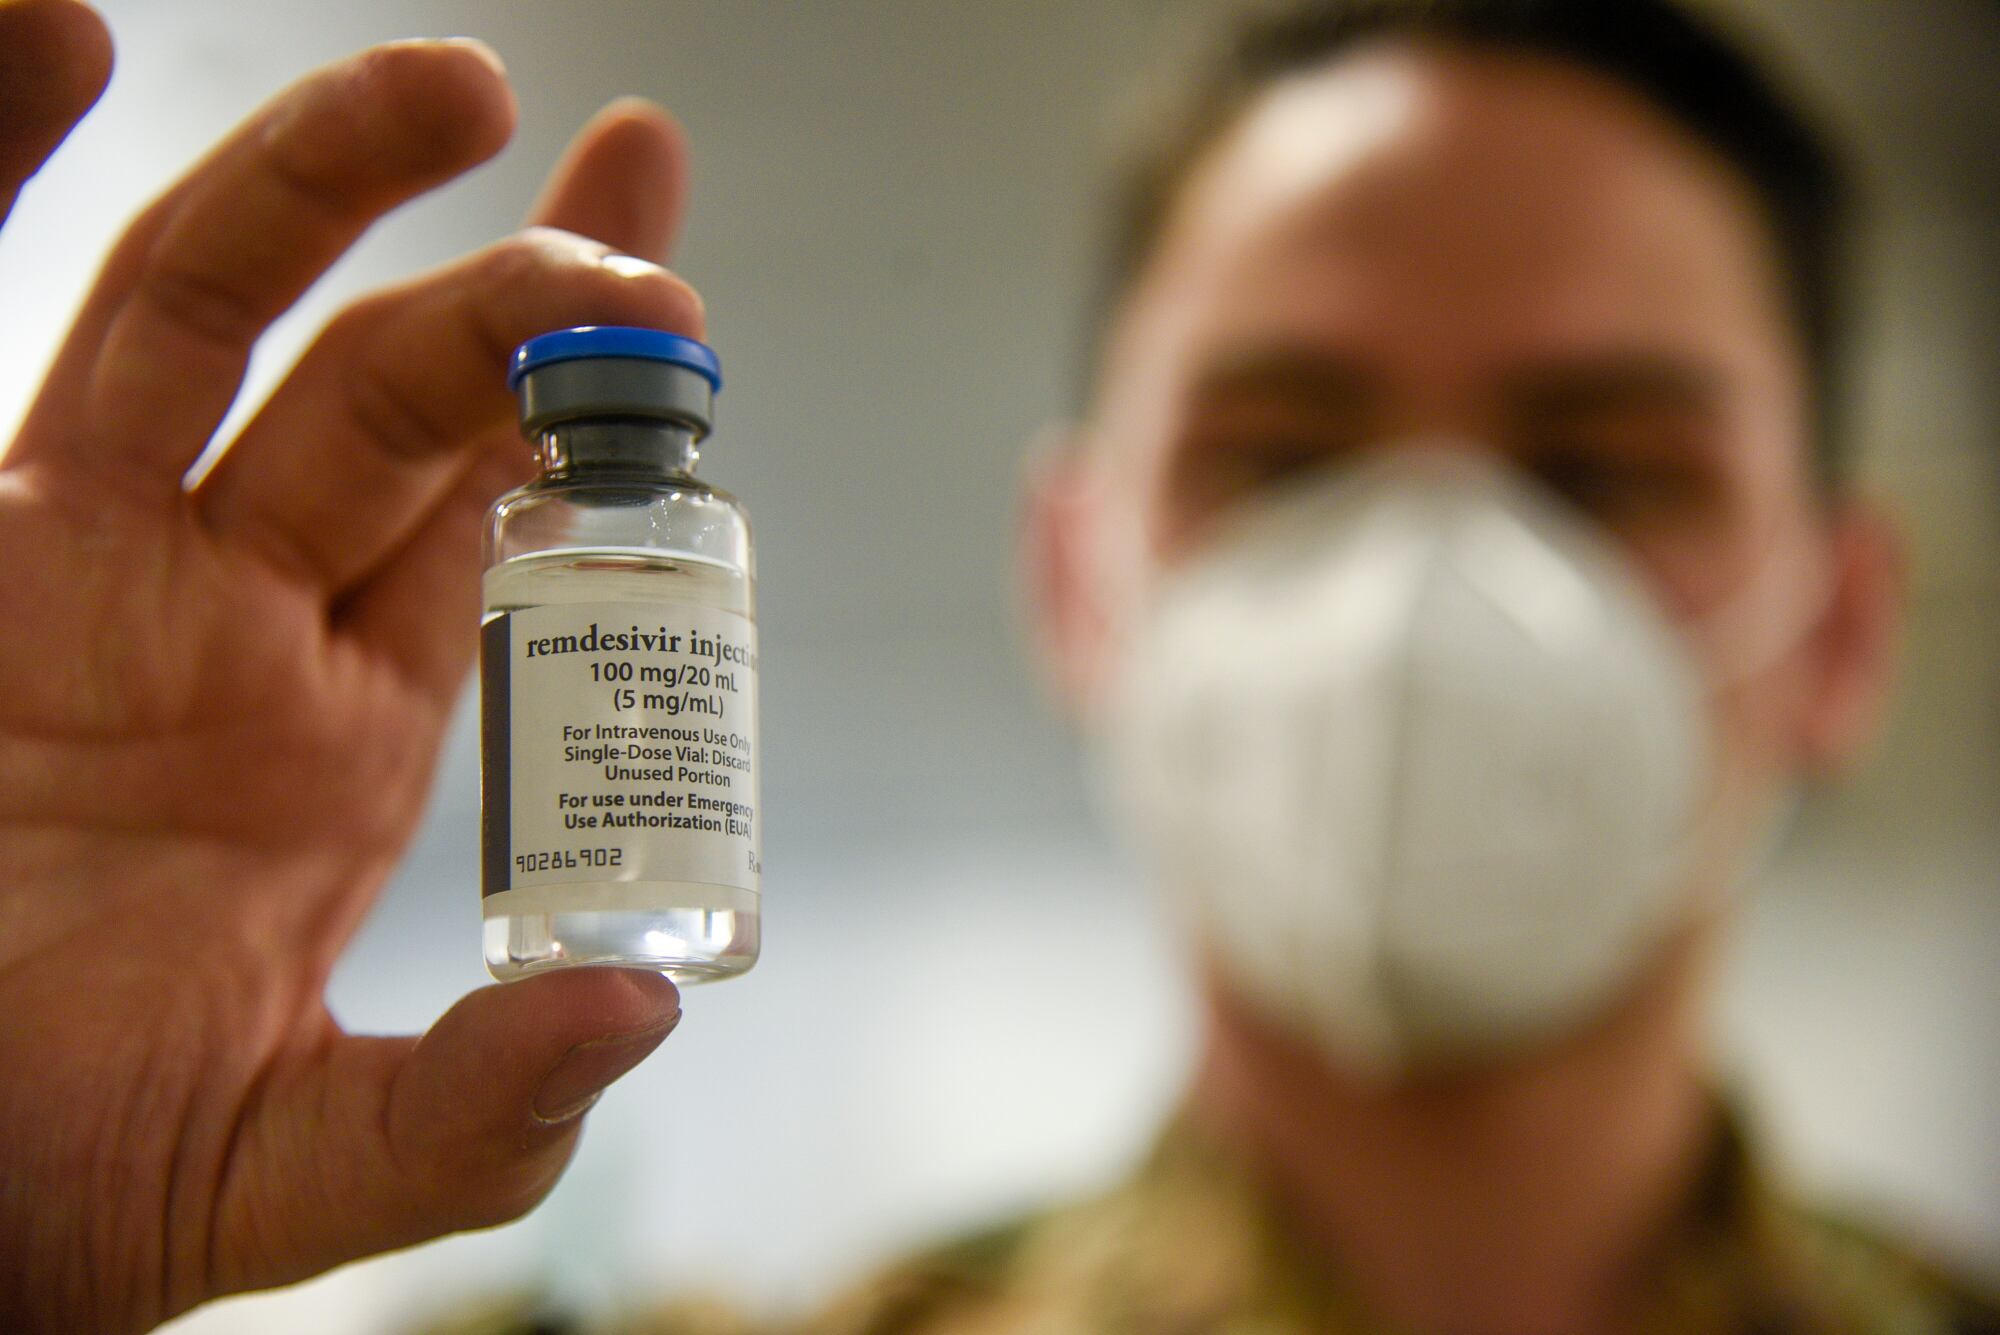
x=620, y=745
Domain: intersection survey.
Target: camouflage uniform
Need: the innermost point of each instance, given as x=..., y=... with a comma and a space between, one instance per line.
x=1191, y=1245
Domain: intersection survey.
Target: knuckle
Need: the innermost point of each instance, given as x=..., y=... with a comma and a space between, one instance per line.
x=300, y=167
x=388, y=412
x=203, y=302
x=128, y=259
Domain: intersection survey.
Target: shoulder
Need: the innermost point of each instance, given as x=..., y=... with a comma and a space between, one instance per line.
x=1754, y=1253
x=1883, y=1283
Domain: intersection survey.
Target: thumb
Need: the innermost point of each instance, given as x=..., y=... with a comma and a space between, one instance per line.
x=379, y=1143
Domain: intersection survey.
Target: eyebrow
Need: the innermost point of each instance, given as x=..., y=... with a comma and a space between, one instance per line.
x=1566, y=387
x=1286, y=372
x=1579, y=387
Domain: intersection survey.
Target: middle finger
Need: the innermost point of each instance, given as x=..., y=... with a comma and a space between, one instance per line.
x=159, y=352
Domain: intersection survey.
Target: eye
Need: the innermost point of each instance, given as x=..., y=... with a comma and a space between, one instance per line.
x=1615, y=487
x=1269, y=458
x=1216, y=470
x=1588, y=482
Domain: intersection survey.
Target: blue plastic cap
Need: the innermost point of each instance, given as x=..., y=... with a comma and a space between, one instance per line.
x=610, y=340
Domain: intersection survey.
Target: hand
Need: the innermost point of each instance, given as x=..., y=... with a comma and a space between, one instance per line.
x=220, y=704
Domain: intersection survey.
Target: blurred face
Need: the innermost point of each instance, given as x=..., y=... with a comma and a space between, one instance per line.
x=1425, y=241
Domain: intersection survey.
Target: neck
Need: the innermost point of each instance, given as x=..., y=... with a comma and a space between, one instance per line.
x=619, y=445
x=1524, y=1198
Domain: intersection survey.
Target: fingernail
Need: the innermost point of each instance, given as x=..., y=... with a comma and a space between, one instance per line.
x=480, y=49
x=580, y=1078
x=631, y=104
x=629, y=266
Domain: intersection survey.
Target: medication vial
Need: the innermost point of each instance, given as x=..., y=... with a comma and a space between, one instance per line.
x=618, y=674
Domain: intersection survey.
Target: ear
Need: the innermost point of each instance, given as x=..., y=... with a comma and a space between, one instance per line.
x=1854, y=648
x=1055, y=565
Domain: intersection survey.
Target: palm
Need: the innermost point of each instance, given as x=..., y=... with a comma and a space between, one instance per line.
x=220, y=705
x=227, y=761
x=141, y=644
x=212, y=726
x=180, y=656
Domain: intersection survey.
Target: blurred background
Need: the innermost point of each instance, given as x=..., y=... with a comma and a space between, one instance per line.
x=964, y=1004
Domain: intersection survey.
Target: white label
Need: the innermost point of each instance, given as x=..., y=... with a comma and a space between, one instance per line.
x=620, y=745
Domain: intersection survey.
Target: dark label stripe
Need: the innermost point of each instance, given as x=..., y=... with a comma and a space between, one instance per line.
x=496, y=728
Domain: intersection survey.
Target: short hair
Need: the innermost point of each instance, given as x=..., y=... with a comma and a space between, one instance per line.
x=1702, y=81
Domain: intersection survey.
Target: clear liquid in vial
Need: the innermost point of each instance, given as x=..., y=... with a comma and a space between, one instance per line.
x=691, y=932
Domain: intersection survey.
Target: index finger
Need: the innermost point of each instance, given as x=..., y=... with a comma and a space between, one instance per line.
x=159, y=352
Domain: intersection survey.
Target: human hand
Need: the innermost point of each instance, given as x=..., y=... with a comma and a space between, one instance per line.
x=221, y=704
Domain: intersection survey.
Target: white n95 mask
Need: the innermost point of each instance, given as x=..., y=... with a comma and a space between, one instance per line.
x=1421, y=761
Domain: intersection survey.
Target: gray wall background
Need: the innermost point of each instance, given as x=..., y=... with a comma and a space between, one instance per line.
x=964, y=1004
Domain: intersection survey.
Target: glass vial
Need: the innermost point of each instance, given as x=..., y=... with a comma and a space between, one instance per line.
x=618, y=674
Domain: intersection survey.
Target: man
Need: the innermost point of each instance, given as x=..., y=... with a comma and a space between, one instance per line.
x=1506, y=320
